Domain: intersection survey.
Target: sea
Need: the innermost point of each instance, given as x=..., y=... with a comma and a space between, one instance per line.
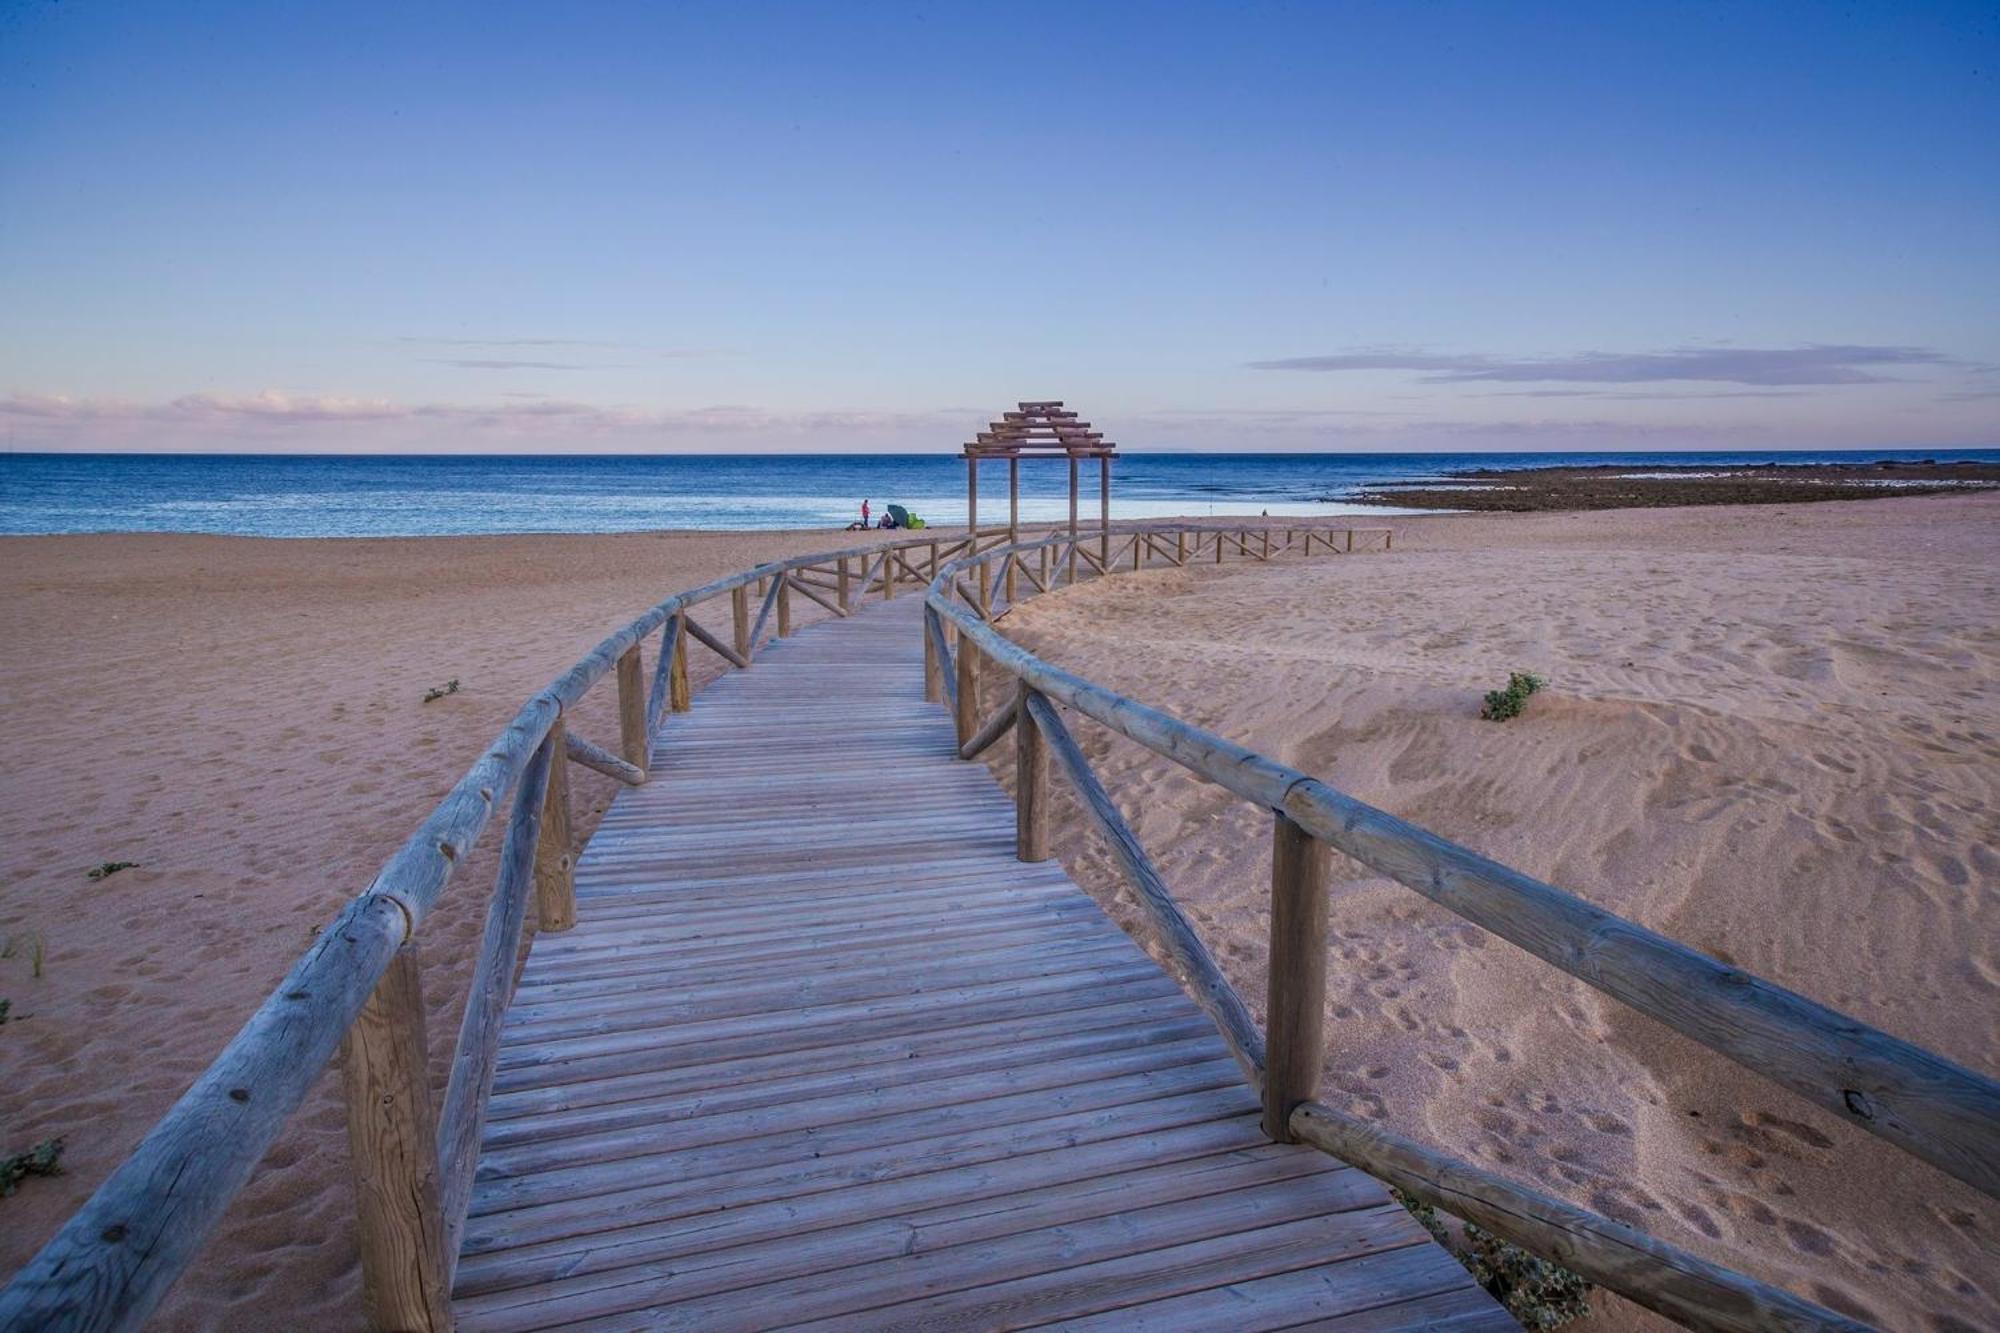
x=350, y=495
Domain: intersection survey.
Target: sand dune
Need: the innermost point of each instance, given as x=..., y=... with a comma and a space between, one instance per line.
x=1773, y=734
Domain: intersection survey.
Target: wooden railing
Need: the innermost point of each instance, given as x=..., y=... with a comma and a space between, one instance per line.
x=1926, y=1105
x=358, y=987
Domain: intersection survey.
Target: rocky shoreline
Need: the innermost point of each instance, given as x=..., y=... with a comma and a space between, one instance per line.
x=1615, y=486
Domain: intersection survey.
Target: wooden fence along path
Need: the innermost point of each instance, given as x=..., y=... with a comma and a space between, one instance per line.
x=815, y=1034
x=821, y=1049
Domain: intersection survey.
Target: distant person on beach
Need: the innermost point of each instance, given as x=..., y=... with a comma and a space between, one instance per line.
x=864, y=513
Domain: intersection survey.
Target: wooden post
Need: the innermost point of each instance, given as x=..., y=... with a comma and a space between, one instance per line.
x=972, y=502
x=679, y=697
x=784, y=605
x=392, y=1140
x=1218, y=548
x=986, y=590
x=934, y=560
x=1180, y=546
x=555, y=862
x=1046, y=556
x=1072, y=518
x=1031, y=782
x=846, y=580
x=739, y=608
x=888, y=574
x=933, y=669
x=1294, y=1038
x=1350, y=541
x=1104, y=511
x=1013, y=519
x=632, y=744
x=968, y=690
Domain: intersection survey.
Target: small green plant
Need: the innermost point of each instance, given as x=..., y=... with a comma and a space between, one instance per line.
x=1539, y=1294
x=440, y=691
x=33, y=941
x=106, y=869
x=40, y=1160
x=1503, y=704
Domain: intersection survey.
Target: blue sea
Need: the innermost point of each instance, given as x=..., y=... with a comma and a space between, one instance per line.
x=374, y=496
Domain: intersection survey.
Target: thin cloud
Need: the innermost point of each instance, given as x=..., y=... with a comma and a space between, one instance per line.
x=498, y=363
x=510, y=342
x=1813, y=365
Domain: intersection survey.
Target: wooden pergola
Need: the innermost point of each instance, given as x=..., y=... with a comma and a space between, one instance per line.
x=1043, y=428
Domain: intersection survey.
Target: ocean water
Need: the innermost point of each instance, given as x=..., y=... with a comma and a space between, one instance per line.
x=375, y=496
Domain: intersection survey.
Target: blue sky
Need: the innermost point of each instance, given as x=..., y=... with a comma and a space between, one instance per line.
x=604, y=227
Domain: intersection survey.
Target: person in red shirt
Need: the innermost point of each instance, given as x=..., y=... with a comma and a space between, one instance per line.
x=864, y=513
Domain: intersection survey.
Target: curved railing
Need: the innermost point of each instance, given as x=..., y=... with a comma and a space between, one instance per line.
x=1924, y=1104
x=358, y=987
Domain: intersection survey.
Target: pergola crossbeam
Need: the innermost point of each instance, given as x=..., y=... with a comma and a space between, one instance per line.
x=1040, y=428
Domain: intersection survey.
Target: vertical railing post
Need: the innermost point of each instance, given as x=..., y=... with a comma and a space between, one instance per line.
x=846, y=580
x=1180, y=546
x=986, y=591
x=1031, y=782
x=1294, y=1036
x=968, y=690
x=632, y=745
x=392, y=1139
x=933, y=669
x=555, y=862
x=1350, y=541
x=739, y=609
x=784, y=605
x=679, y=697
x=888, y=572
x=1072, y=519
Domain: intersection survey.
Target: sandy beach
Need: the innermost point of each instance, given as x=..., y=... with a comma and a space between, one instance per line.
x=1771, y=732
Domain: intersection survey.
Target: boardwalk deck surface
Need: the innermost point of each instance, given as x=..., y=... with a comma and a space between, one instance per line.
x=821, y=1052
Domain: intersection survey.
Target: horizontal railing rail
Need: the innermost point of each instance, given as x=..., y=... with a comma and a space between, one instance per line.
x=1924, y=1104
x=357, y=988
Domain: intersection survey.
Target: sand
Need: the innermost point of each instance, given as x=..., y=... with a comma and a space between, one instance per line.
x=1773, y=733
x=243, y=718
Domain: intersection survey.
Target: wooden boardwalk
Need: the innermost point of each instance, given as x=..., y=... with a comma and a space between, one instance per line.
x=822, y=1052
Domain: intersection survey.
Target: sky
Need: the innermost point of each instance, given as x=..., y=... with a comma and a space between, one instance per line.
x=756, y=227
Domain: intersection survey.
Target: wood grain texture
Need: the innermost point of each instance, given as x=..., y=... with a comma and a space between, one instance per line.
x=463, y=1115
x=822, y=1046
x=597, y=758
x=632, y=728
x=1198, y=968
x=1031, y=783
x=392, y=1145
x=1295, y=1007
x=555, y=853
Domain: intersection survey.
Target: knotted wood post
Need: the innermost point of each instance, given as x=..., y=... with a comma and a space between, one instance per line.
x=555, y=862
x=632, y=745
x=679, y=697
x=784, y=605
x=1031, y=782
x=392, y=1142
x=1294, y=1029
x=968, y=689
x=739, y=609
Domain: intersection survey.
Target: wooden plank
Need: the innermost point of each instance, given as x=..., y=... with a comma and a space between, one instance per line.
x=578, y=750
x=555, y=855
x=1205, y=979
x=471, y=1082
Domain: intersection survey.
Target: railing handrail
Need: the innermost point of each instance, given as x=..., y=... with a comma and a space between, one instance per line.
x=114, y=1259
x=1923, y=1103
